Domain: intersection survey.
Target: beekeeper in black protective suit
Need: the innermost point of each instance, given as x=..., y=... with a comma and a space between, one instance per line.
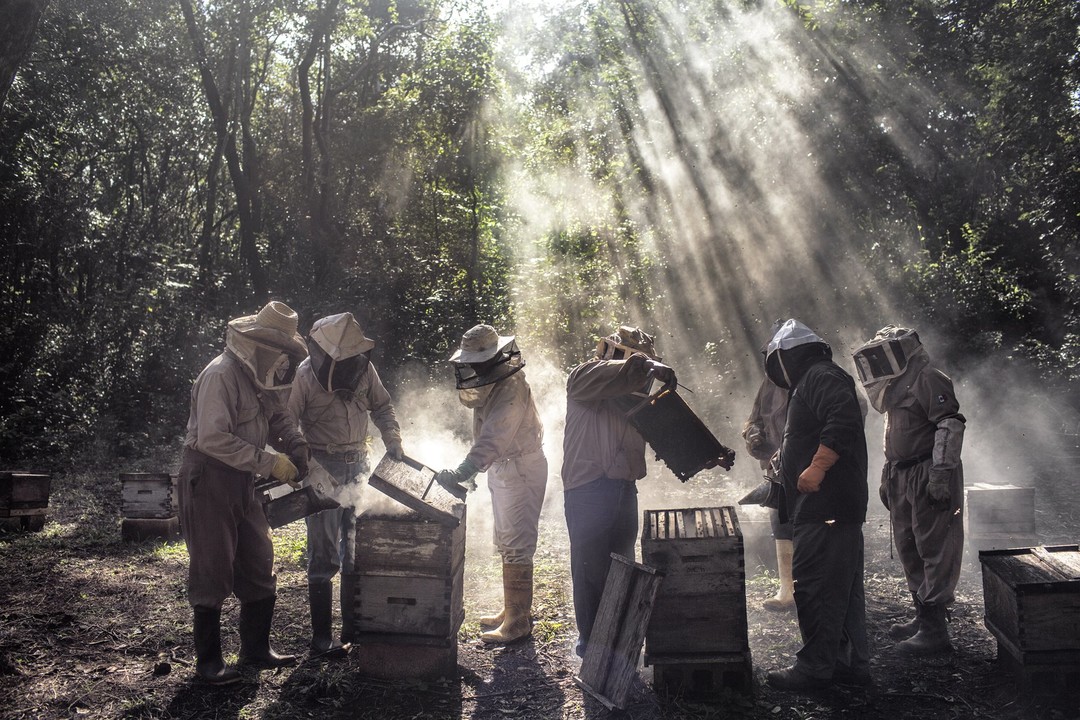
x=335, y=391
x=823, y=470
x=922, y=482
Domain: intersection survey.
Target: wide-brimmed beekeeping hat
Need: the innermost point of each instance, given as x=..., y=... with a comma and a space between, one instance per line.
x=275, y=325
x=480, y=344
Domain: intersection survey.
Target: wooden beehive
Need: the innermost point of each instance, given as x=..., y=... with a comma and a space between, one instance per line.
x=1032, y=598
x=697, y=640
x=701, y=607
x=1000, y=516
x=24, y=499
x=148, y=506
x=405, y=595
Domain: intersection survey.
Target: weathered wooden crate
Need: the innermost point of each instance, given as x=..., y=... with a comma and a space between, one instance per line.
x=703, y=676
x=390, y=656
x=1032, y=598
x=611, y=657
x=701, y=607
x=147, y=495
x=1000, y=516
x=24, y=499
x=407, y=578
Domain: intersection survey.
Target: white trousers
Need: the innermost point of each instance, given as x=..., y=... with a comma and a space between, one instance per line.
x=517, y=496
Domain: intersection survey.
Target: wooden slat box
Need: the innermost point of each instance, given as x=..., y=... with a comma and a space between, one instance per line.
x=147, y=495
x=1032, y=598
x=1000, y=516
x=701, y=607
x=696, y=676
x=408, y=577
x=24, y=499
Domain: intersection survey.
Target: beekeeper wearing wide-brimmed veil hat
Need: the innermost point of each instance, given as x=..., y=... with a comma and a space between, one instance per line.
x=507, y=444
x=336, y=389
x=237, y=408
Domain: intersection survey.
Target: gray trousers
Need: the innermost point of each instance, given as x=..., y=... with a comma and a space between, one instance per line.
x=929, y=541
x=226, y=533
x=827, y=567
x=331, y=534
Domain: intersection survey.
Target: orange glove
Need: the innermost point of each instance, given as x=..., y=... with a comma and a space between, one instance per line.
x=810, y=478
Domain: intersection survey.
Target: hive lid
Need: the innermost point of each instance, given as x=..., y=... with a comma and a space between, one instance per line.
x=412, y=484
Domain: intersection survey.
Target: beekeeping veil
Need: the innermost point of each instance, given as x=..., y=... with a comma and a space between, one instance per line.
x=883, y=359
x=624, y=343
x=340, y=352
x=792, y=349
x=268, y=344
x=485, y=358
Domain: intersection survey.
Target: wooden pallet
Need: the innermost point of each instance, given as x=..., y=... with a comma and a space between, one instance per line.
x=701, y=675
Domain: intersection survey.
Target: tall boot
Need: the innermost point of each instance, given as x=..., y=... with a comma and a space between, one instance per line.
x=784, y=600
x=321, y=601
x=255, y=650
x=348, y=612
x=902, y=631
x=517, y=599
x=497, y=619
x=208, y=663
x=933, y=635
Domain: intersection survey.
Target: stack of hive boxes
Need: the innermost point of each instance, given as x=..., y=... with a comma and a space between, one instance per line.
x=697, y=638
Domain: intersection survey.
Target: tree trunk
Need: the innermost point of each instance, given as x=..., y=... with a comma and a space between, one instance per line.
x=21, y=18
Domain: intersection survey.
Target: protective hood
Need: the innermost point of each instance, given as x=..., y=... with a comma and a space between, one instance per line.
x=340, y=352
x=485, y=358
x=792, y=350
x=624, y=343
x=271, y=368
x=879, y=362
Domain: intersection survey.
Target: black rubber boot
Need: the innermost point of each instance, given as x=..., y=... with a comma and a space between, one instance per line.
x=348, y=616
x=255, y=650
x=933, y=635
x=323, y=644
x=208, y=663
x=902, y=631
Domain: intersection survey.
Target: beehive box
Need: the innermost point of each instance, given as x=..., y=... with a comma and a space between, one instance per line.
x=1032, y=598
x=148, y=507
x=701, y=607
x=408, y=576
x=1000, y=516
x=24, y=499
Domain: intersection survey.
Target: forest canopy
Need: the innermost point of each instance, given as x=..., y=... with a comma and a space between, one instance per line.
x=697, y=167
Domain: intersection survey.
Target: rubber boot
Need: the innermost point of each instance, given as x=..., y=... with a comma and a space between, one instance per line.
x=348, y=613
x=208, y=663
x=933, y=635
x=784, y=600
x=321, y=601
x=517, y=598
x=255, y=650
x=902, y=631
x=493, y=620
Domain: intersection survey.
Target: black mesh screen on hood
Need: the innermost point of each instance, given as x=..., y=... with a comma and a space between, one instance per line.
x=341, y=374
x=786, y=367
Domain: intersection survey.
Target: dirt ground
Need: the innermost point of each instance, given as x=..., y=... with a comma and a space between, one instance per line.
x=94, y=627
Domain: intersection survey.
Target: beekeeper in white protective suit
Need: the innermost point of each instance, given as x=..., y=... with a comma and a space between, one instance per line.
x=237, y=407
x=922, y=483
x=507, y=439
x=335, y=390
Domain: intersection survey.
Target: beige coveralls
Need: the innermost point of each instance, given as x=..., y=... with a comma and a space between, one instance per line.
x=507, y=443
x=225, y=529
x=929, y=541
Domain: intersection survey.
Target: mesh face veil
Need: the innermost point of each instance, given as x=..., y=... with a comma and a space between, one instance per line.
x=334, y=375
x=272, y=368
x=624, y=343
x=474, y=375
x=886, y=356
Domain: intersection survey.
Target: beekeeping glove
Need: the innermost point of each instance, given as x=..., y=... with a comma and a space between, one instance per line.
x=661, y=372
x=284, y=471
x=394, y=449
x=300, y=456
x=753, y=437
x=810, y=479
x=459, y=481
x=948, y=440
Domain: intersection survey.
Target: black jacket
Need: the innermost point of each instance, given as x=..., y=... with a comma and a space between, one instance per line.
x=824, y=409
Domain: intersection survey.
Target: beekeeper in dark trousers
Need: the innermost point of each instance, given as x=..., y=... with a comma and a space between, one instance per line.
x=507, y=444
x=603, y=458
x=237, y=406
x=336, y=389
x=823, y=469
x=922, y=482
x=762, y=432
